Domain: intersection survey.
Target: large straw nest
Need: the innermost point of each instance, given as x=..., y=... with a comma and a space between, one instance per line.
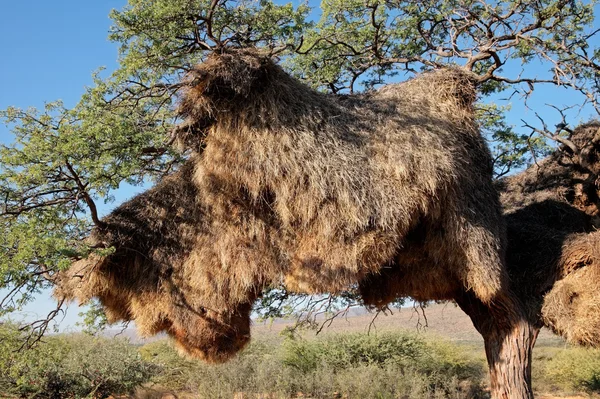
x=345, y=178
x=288, y=184
x=144, y=279
x=552, y=211
x=572, y=307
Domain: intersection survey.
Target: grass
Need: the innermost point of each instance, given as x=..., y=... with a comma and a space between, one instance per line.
x=566, y=370
x=387, y=365
x=391, y=365
x=69, y=366
x=336, y=364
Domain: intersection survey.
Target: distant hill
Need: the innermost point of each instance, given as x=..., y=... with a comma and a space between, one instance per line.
x=444, y=320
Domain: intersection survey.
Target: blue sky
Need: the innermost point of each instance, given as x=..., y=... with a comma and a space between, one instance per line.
x=50, y=49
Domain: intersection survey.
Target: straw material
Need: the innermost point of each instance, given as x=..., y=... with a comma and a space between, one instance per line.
x=318, y=191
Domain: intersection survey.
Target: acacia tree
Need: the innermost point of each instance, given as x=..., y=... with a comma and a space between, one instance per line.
x=64, y=160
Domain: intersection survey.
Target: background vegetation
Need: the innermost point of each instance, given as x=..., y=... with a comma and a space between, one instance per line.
x=349, y=365
x=69, y=366
x=337, y=365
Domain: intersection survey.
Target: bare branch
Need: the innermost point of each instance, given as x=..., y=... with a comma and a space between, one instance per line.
x=86, y=196
x=38, y=328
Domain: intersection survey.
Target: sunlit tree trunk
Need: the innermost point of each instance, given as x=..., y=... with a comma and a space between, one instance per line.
x=509, y=339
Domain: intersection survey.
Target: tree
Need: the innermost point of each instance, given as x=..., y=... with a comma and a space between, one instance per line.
x=64, y=160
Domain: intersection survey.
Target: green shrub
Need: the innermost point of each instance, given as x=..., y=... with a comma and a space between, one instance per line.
x=352, y=366
x=256, y=369
x=405, y=350
x=404, y=354
x=572, y=369
x=70, y=366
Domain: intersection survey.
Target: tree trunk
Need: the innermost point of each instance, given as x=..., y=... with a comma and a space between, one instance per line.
x=509, y=358
x=509, y=339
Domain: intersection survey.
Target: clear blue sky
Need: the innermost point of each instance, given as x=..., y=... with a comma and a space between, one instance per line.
x=49, y=49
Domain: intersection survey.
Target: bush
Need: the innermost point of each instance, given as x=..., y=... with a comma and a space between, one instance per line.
x=257, y=369
x=406, y=350
x=436, y=367
x=70, y=366
x=345, y=365
x=572, y=369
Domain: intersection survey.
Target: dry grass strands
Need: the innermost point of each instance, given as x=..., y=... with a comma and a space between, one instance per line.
x=553, y=259
x=563, y=176
x=345, y=178
x=552, y=211
x=572, y=307
x=288, y=184
x=144, y=279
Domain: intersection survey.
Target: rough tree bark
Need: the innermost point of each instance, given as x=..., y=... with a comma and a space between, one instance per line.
x=545, y=206
x=509, y=338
